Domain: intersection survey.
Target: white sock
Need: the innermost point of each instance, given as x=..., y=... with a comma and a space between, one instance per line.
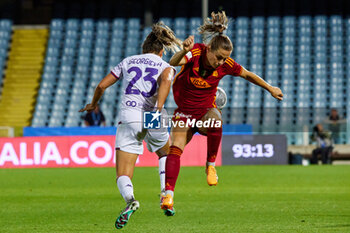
x=162, y=161
x=125, y=188
x=211, y=163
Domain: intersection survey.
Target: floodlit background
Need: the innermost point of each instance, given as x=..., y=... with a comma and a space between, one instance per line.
x=54, y=53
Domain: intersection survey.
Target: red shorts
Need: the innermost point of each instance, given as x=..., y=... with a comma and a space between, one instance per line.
x=181, y=114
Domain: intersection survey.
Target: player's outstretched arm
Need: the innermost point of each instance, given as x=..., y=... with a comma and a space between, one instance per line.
x=164, y=87
x=106, y=82
x=253, y=78
x=179, y=58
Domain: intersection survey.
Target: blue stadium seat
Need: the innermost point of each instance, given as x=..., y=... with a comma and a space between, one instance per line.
x=180, y=33
x=241, y=41
x=257, y=22
x=272, y=58
x=103, y=34
x=286, y=119
x=56, y=24
x=118, y=24
x=39, y=121
x=320, y=32
x=258, y=40
x=72, y=121
x=98, y=51
x=167, y=21
x=72, y=24
x=68, y=51
x=273, y=32
x=320, y=20
x=87, y=24
x=54, y=43
x=117, y=41
x=101, y=42
x=56, y=120
x=132, y=42
x=195, y=22
x=242, y=23
x=56, y=34
x=288, y=21
x=102, y=25
x=269, y=120
x=180, y=22
x=272, y=40
x=237, y=115
x=5, y=34
x=242, y=32
x=253, y=118
x=5, y=24
x=303, y=100
x=305, y=21
x=87, y=34
x=131, y=51
x=273, y=21
x=133, y=23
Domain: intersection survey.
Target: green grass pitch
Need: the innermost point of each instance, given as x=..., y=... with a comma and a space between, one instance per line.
x=247, y=199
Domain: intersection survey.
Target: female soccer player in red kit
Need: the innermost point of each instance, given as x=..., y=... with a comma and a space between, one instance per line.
x=194, y=88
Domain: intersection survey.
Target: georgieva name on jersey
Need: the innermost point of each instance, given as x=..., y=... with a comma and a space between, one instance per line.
x=139, y=75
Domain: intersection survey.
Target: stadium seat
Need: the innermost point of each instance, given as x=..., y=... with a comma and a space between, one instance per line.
x=167, y=21
x=242, y=23
x=133, y=23
x=118, y=24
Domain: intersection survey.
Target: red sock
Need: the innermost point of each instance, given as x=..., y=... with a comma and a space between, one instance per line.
x=214, y=136
x=172, y=167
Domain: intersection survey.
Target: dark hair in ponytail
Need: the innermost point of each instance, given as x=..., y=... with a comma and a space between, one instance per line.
x=213, y=29
x=161, y=37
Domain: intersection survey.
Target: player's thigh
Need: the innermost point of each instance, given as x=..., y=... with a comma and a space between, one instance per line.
x=164, y=150
x=157, y=140
x=125, y=163
x=214, y=114
x=180, y=136
x=129, y=137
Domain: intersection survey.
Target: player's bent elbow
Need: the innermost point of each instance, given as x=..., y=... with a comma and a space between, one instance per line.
x=101, y=87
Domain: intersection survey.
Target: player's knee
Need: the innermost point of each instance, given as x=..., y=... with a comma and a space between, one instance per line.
x=179, y=144
x=213, y=114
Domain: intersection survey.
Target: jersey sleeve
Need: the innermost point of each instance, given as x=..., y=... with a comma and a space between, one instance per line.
x=117, y=71
x=172, y=67
x=195, y=51
x=233, y=68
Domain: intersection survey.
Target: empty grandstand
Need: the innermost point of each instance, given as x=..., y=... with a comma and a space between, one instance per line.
x=304, y=50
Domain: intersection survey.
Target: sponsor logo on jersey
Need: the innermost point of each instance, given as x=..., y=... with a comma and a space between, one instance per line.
x=131, y=103
x=200, y=83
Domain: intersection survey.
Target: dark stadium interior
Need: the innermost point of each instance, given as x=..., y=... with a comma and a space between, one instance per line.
x=42, y=11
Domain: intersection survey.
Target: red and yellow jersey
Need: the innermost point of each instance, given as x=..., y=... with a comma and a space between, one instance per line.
x=195, y=86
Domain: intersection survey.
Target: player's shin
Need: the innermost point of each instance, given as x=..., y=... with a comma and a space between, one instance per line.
x=172, y=169
x=162, y=162
x=126, y=188
x=214, y=136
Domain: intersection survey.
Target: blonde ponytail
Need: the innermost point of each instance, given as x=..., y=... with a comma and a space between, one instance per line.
x=161, y=37
x=214, y=26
